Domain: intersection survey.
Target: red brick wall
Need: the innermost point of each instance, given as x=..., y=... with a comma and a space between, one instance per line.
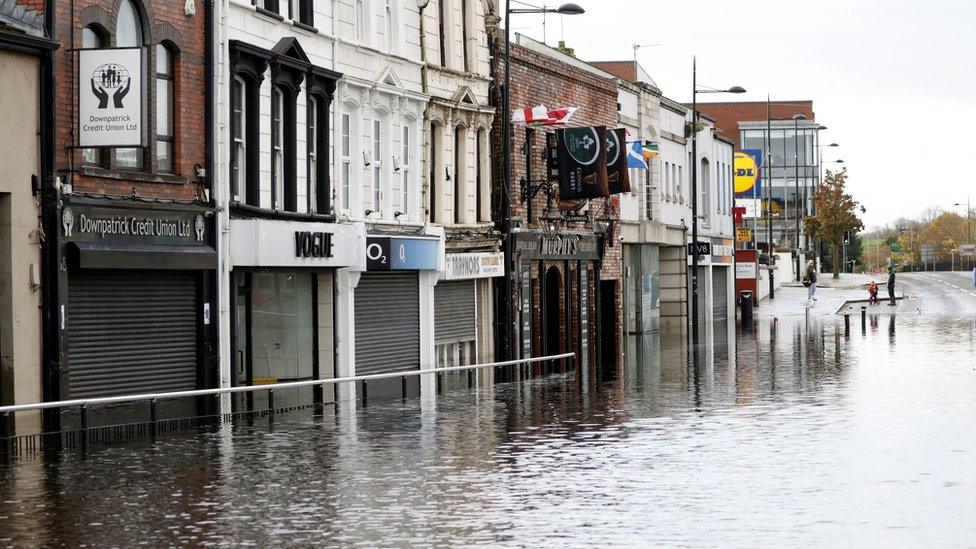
x=622, y=69
x=728, y=115
x=36, y=5
x=165, y=20
x=538, y=79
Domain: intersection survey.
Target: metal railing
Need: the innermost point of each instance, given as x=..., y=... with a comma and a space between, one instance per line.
x=84, y=404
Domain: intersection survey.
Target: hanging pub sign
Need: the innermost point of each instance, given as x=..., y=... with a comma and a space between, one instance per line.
x=111, y=98
x=582, y=163
x=618, y=178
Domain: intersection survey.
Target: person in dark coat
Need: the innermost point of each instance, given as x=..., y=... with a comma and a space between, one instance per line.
x=891, y=286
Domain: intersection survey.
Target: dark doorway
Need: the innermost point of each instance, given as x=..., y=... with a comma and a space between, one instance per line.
x=608, y=323
x=552, y=322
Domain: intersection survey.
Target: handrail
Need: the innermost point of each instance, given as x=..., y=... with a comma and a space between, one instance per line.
x=250, y=388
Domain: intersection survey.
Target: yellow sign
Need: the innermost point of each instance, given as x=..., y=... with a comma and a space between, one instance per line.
x=746, y=172
x=743, y=234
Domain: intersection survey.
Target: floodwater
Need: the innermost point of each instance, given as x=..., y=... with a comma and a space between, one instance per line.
x=797, y=436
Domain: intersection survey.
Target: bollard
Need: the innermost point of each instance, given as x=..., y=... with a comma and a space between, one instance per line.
x=864, y=318
x=439, y=377
x=364, y=393
x=891, y=326
x=271, y=407
x=470, y=379
x=403, y=388
x=847, y=325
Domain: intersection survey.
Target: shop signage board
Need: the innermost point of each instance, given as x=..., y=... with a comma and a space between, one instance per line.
x=474, y=265
x=743, y=234
x=277, y=243
x=557, y=246
x=582, y=160
x=701, y=248
x=584, y=320
x=111, y=98
x=106, y=225
x=618, y=178
x=394, y=253
x=747, y=175
x=745, y=270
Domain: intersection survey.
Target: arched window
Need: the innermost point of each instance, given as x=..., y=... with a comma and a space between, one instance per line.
x=92, y=37
x=165, y=149
x=129, y=34
x=705, y=191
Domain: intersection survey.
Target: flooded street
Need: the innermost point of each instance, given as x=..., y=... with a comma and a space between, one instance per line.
x=799, y=436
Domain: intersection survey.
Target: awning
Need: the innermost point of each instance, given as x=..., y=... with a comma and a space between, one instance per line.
x=120, y=256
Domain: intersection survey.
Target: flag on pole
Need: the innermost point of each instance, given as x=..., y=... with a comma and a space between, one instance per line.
x=541, y=116
x=635, y=156
x=651, y=150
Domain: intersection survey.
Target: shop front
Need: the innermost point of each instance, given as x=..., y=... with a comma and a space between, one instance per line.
x=463, y=316
x=723, y=257
x=284, y=294
x=136, y=316
x=558, y=290
x=394, y=311
x=641, y=299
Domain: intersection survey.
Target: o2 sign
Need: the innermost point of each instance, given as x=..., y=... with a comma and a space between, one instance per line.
x=385, y=253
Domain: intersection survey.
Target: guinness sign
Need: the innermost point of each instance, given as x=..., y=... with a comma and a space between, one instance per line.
x=582, y=161
x=618, y=178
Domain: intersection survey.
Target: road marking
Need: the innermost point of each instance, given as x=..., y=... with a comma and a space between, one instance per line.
x=950, y=284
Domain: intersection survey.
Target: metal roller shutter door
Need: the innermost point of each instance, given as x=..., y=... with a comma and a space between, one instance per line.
x=702, y=295
x=720, y=292
x=131, y=332
x=454, y=311
x=387, y=323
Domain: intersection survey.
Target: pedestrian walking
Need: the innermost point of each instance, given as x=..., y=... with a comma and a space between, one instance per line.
x=810, y=281
x=891, y=286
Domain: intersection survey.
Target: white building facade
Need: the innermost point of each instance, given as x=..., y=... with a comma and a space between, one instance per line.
x=327, y=265
x=457, y=175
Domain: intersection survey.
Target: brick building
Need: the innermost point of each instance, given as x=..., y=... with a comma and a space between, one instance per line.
x=131, y=233
x=566, y=274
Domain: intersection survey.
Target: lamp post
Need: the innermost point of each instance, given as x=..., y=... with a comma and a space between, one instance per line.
x=505, y=206
x=796, y=186
x=969, y=221
x=694, y=192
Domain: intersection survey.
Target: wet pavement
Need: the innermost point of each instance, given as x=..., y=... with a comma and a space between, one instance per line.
x=792, y=435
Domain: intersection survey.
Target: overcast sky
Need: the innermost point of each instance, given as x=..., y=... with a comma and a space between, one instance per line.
x=893, y=80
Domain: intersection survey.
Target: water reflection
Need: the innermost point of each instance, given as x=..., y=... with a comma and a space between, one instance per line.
x=794, y=434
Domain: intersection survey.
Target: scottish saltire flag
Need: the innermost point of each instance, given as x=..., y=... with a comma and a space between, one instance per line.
x=635, y=156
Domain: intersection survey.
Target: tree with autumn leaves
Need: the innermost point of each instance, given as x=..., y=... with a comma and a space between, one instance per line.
x=836, y=212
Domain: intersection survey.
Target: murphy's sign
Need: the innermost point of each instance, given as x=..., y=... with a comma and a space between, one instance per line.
x=83, y=223
x=557, y=246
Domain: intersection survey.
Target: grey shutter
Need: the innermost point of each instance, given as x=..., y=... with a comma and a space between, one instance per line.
x=720, y=292
x=702, y=296
x=387, y=323
x=454, y=314
x=131, y=332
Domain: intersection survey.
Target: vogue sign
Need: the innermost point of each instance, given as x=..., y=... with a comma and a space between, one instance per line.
x=110, y=98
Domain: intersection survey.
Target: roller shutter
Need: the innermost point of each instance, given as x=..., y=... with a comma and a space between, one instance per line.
x=131, y=332
x=702, y=295
x=720, y=292
x=387, y=323
x=454, y=311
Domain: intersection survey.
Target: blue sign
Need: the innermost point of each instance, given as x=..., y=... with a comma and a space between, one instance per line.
x=386, y=253
x=747, y=178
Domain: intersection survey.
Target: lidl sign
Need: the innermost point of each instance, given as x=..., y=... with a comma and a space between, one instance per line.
x=747, y=164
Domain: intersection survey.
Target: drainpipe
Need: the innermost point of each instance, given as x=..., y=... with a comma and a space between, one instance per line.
x=50, y=250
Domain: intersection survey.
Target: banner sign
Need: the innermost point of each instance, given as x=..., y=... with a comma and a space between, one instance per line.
x=747, y=178
x=474, y=265
x=385, y=253
x=557, y=246
x=582, y=163
x=111, y=99
x=618, y=178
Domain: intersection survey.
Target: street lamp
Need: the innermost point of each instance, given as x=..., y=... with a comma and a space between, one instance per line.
x=694, y=192
x=796, y=186
x=969, y=222
x=506, y=198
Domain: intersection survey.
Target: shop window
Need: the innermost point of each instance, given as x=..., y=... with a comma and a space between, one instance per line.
x=129, y=34
x=165, y=150
x=282, y=335
x=92, y=37
x=238, y=150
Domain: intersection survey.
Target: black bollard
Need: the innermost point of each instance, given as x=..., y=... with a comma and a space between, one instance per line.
x=847, y=325
x=864, y=318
